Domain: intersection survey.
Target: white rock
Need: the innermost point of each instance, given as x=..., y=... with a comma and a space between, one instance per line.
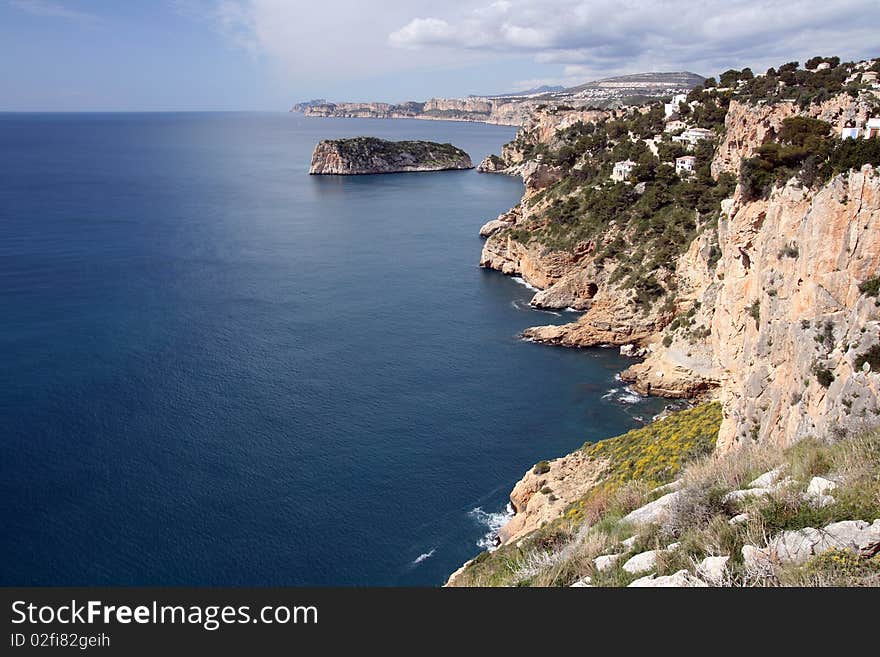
x=491, y=227
x=797, y=546
x=744, y=494
x=655, y=511
x=628, y=542
x=819, y=492
x=632, y=351
x=680, y=579
x=855, y=535
x=820, y=501
x=673, y=546
x=642, y=562
x=713, y=569
x=606, y=561
x=671, y=486
x=739, y=519
x=820, y=486
x=767, y=479
x=585, y=582
x=756, y=560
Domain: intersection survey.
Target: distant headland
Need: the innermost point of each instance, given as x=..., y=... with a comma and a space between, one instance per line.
x=513, y=108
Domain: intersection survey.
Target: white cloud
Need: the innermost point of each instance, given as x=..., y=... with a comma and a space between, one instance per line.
x=345, y=38
x=603, y=36
x=423, y=31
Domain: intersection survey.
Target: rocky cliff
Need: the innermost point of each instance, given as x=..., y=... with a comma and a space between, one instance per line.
x=366, y=155
x=754, y=280
x=767, y=312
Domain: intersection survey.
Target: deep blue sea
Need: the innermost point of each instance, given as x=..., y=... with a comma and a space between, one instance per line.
x=217, y=369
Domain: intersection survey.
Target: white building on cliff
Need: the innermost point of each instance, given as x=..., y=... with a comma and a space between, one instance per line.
x=671, y=108
x=693, y=135
x=622, y=170
x=684, y=166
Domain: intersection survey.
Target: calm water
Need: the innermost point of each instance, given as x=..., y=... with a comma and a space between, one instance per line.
x=220, y=370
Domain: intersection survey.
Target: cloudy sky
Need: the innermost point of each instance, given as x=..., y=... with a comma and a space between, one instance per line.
x=267, y=54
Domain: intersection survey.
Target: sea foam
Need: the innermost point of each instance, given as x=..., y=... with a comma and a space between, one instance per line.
x=494, y=522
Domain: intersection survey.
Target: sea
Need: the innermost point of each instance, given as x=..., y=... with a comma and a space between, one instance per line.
x=219, y=370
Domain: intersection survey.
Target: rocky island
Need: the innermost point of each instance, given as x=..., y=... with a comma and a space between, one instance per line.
x=367, y=155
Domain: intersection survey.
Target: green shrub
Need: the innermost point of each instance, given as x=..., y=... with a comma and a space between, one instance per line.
x=755, y=312
x=823, y=375
x=872, y=357
x=871, y=287
x=542, y=467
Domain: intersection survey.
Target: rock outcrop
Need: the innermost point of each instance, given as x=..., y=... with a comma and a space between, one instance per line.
x=367, y=155
x=545, y=490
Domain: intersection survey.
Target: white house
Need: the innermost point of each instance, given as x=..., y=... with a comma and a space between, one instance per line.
x=622, y=170
x=674, y=126
x=671, y=107
x=684, y=166
x=824, y=66
x=849, y=133
x=872, y=129
x=693, y=135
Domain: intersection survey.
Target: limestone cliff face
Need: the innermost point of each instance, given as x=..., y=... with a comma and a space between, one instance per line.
x=477, y=105
x=768, y=314
x=789, y=320
x=366, y=155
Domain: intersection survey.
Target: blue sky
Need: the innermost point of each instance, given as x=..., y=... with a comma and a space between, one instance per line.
x=70, y=55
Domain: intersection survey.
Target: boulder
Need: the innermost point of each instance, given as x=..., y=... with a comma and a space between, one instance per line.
x=606, y=561
x=798, y=546
x=628, y=542
x=767, y=479
x=739, y=518
x=642, y=562
x=655, y=511
x=633, y=351
x=713, y=569
x=491, y=227
x=820, y=486
x=819, y=492
x=756, y=560
x=585, y=582
x=744, y=494
x=855, y=535
x=681, y=579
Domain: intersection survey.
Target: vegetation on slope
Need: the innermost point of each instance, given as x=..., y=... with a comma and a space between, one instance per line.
x=806, y=149
x=698, y=523
x=656, y=209
x=636, y=462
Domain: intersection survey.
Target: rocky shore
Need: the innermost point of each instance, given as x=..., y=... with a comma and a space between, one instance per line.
x=369, y=155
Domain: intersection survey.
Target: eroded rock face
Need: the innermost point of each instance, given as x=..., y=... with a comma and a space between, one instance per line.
x=547, y=489
x=367, y=155
x=789, y=320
